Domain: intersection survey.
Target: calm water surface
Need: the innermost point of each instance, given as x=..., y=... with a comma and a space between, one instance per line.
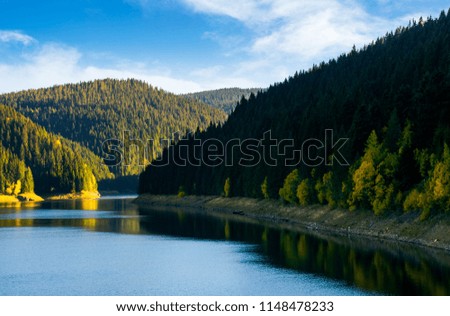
x=112, y=247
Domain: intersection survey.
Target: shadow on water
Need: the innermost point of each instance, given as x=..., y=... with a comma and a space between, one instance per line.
x=380, y=267
x=388, y=268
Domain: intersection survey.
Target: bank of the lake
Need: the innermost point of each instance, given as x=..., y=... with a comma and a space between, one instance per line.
x=32, y=197
x=406, y=227
x=23, y=197
x=74, y=196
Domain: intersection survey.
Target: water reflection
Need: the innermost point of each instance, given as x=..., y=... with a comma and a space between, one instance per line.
x=390, y=269
x=104, y=215
x=380, y=268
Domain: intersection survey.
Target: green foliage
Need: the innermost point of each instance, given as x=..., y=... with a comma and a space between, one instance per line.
x=227, y=188
x=223, y=99
x=415, y=200
x=390, y=99
x=91, y=112
x=393, y=132
x=364, y=176
x=373, y=180
x=15, y=176
x=438, y=183
x=28, y=181
x=181, y=192
x=265, y=189
x=305, y=192
x=288, y=192
x=327, y=192
x=56, y=164
x=435, y=193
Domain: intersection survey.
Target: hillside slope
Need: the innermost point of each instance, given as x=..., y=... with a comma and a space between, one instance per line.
x=390, y=100
x=223, y=99
x=91, y=112
x=57, y=165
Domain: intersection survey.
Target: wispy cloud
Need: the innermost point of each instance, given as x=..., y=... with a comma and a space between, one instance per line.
x=15, y=36
x=48, y=64
x=281, y=36
x=291, y=35
x=307, y=29
x=53, y=64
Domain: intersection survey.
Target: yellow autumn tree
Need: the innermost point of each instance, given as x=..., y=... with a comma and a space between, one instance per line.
x=288, y=192
x=227, y=187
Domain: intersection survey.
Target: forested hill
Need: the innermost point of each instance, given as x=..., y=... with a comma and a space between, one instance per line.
x=391, y=99
x=33, y=159
x=91, y=112
x=224, y=99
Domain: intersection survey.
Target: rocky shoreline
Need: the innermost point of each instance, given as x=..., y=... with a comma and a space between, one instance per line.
x=401, y=227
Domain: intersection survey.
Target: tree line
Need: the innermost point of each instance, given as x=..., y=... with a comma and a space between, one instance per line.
x=225, y=99
x=91, y=112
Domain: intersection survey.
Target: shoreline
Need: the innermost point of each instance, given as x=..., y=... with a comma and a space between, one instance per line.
x=32, y=197
x=397, y=227
x=83, y=195
x=21, y=198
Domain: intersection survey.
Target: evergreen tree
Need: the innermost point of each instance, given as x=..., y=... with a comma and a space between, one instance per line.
x=91, y=113
x=55, y=164
x=28, y=182
x=15, y=176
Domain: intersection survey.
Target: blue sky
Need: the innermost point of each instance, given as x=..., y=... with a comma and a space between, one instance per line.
x=186, y=45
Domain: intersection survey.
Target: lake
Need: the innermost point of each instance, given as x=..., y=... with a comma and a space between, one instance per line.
x=110, y=246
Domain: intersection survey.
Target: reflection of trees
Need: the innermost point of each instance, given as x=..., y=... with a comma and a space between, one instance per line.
x=374, y=269
x=89, y=205
x=117, y=225
x=367, y=266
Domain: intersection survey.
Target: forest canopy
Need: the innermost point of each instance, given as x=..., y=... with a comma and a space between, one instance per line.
x=90, y=113
x=390, y=99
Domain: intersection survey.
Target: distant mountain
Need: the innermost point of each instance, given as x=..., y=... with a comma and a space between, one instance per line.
x=224, y=99
x=33, y=159
x=390, y=100
x=91, y=112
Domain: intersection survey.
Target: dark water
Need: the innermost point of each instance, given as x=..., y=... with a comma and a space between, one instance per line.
x=111, y=247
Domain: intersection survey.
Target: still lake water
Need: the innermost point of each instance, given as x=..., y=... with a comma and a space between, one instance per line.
x=112, y=247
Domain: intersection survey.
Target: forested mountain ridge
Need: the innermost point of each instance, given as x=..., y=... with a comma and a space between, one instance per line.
x=391, y=99
x=57, y=165
x=91, y=112
x=224, y=99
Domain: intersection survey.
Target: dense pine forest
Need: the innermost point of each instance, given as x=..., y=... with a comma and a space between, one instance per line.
x=225, y=99
x=391, y=99
x=33, y=159
x=51, y=139
x=15, y=176
x=91, y=112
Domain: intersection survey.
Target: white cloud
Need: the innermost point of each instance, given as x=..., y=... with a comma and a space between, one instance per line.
x=291, y=35
x=54, y=64
x=244, y=10
x=283, y=36
x=307, y=29
x=15, y=36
